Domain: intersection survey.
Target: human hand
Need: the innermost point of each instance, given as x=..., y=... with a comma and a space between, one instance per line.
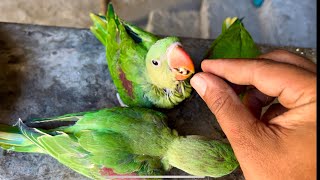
x=281, y=143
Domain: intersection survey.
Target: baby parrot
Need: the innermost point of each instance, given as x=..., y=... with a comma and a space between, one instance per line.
x=233, y=42
x=146, y=70
x=119, y=141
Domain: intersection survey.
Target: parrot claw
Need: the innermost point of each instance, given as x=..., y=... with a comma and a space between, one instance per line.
x=122, y=104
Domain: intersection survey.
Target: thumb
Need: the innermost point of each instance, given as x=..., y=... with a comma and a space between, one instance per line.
x=234, y=118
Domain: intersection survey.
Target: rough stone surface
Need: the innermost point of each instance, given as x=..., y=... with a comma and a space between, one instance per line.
x=50, y=71
x=183, y=23
x=277, y=22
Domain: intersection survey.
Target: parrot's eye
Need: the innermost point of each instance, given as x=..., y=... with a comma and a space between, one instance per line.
x=155, y=62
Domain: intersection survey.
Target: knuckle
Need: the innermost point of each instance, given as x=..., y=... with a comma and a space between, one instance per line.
x=263, y=64
x=219, y=103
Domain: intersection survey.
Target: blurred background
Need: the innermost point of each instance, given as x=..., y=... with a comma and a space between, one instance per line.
x=274, y=22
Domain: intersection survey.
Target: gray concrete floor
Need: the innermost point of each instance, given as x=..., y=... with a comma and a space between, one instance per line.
x=49, y=71
x=277, y=22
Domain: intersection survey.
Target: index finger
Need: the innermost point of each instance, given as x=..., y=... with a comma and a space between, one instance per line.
x=294, y=86
x=290, y=58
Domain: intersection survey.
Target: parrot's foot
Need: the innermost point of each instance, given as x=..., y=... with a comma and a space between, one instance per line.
x=122, y=104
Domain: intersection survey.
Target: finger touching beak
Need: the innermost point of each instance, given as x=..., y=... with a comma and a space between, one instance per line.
x=180, y=63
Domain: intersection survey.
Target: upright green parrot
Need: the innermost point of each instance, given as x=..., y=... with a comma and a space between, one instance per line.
x=233, y=42
x=119, y=141
x=146, y=70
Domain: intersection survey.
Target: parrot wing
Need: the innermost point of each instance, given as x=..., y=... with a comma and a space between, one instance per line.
x=146, y=39
x=64, y=148
x=96, y=143
x=93, y=154
x=125, y=55
x=11, y=139
x=112, y=150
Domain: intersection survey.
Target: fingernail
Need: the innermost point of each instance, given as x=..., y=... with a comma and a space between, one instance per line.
x=199, y=84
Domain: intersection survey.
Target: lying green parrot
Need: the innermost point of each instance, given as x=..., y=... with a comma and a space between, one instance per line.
x=147, y=71
x=233, y=42
x=119, y=141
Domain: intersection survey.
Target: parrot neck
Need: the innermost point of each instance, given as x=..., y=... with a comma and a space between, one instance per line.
x=201, y=156
x=167, y=97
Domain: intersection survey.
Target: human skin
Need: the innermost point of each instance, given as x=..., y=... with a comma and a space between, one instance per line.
x=281, y=143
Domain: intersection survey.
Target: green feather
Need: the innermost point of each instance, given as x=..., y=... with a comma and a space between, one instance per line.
x=234, y=42
x=126, y=140
x=202, y=157
x=126, y=49
x=11, y=139
x=140, y=36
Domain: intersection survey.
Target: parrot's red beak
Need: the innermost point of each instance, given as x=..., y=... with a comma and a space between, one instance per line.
x=180, y=62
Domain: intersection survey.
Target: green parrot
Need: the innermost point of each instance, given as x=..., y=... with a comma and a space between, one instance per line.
x=146, y=70
x=233, y=42
x=119, y=141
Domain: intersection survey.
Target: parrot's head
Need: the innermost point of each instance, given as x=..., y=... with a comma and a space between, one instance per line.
x=168, y=64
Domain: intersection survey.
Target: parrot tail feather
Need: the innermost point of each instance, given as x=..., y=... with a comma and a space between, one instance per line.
x=99, y=29
x=13, y=140
x=110, y=12
x=100, y=22
x=31, y=133
x=59, y=122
